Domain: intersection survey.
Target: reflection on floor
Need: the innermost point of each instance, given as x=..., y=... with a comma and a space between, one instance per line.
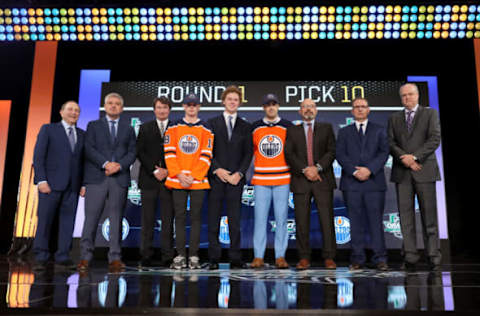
x=244, y=288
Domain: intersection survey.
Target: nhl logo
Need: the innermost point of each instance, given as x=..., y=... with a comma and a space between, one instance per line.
x=342, y=229
x=134, y=193
x=270, y=146
x=223, y=234
x=188, y=144
x=106, y=229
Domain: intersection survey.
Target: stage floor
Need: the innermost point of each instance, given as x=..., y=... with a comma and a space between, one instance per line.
x=244, y=291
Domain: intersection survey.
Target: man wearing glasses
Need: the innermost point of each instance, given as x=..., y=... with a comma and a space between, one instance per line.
x=362, y=150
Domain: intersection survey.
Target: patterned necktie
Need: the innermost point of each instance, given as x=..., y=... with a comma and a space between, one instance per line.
x=409, y=120
x=310, y=144
x=71, y=138
x=162, y=128
x=230, y=127
x=113, y=133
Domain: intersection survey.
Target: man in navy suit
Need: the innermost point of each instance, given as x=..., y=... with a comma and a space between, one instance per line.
x=362, y=150
x=232, y=154
x=58, y=166
x=109, y=152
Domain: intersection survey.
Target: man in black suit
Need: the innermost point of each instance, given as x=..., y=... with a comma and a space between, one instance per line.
x=232, y=154
x=310, y=151
x=153, y=172
x=413, y=136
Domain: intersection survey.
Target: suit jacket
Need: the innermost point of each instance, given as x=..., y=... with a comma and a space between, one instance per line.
x=99, y=149
x=421, y=142
x=323, y=154
x=371, y=151
x=54, y=161
x=234, y=154
x=150, y=153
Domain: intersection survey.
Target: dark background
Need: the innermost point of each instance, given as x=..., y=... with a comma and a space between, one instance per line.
x=451, y=60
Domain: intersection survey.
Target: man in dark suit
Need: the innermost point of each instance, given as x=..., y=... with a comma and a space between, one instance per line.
x=58, y=165
x=362, y=150
x=232, y=154
x=109, y=152
x=310, y=151
x=413, y=136
x=153, y=172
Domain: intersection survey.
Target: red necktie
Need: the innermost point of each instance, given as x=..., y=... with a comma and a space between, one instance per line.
x=310, y=144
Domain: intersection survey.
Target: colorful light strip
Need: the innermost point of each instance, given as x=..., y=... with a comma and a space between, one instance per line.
x=440, y=21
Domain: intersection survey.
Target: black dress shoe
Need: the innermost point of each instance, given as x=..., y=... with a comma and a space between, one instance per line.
x=382, y=266
x=213, y=266
x=67, y=265
x=409, y=267
x=145, y=263
x=238, y=265
x=40, y=266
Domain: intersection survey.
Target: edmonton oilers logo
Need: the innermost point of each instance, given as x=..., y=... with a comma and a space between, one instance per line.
x=223, y=235
x=342, y=229
x=188, y=144
x=106, y=229
x=270, y=146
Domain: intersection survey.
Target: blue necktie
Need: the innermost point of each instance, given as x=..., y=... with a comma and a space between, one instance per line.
x=113, y=133
x=71, y=138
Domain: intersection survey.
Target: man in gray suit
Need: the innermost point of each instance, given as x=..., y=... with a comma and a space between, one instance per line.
x=413, y=136
x=109, y=152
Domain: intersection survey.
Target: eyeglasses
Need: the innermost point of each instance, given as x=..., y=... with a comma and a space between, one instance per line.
x=358, y=107
x=308, y=106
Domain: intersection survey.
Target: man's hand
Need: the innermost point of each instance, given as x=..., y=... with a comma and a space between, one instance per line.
x=185, y=180
x=234, y=179
x=222, y=174
x=407, y=160
x=362, y=173
x=83, y=190
x=44, y=188
x=160, y=173
x=416, y=166
x=312, y=174
x=112, y=168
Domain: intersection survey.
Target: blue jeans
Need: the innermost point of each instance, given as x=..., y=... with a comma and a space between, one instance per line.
x=263, y=199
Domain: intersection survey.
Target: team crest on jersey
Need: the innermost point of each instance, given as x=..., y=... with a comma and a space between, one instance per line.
x=270, y=146
x=188, y=144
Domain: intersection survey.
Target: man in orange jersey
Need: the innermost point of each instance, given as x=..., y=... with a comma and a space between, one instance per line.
x=310, y=151
x=188, y=148
x=271, y=180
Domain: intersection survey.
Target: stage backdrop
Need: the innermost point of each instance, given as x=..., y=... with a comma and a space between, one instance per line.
x=333, y=100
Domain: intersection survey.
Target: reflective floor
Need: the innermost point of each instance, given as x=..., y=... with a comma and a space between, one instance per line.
x=456, y=288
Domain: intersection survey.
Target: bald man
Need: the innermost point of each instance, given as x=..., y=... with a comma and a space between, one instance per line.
x=310, y=152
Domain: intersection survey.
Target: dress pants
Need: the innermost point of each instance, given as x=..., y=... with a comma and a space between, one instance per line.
x=264, y=194
x=366, y=209
x=150, y=198
x=427, y=199
x=180, y=198
x=230, y=194
x=108, y=195
x=63, y=203
x=324, y=201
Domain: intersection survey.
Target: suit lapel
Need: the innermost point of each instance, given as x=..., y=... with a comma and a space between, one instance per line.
x=79, y=140
x=106, y=130
x=416, y=118
x=223, y=128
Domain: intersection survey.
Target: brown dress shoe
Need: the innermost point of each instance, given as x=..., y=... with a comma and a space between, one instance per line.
x=257, y=263
x=116, y=266
x=281, y=263
x=82, y=265
x=303, y=264
x=330, y=264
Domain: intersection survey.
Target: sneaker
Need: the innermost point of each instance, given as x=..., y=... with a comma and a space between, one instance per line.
x=194, y=262
x=179, y=262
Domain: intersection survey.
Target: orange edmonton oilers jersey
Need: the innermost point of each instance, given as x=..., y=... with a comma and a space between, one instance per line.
x=188, y=149
x=270, y=167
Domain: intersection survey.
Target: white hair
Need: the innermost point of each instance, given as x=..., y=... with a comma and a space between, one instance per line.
x=114, y=95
